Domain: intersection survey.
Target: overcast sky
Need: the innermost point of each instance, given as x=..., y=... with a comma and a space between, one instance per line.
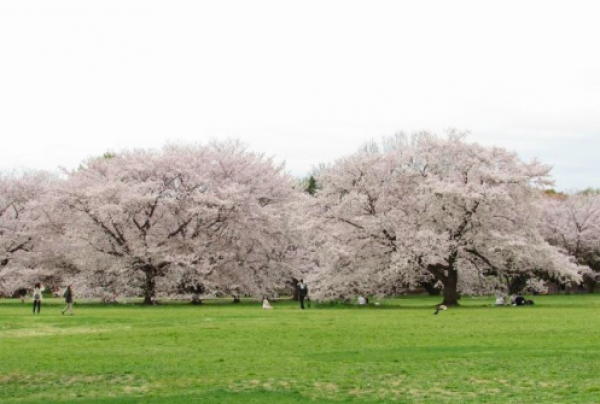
x=305, y=81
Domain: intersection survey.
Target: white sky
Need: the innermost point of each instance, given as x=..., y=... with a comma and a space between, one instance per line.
x=306, y=81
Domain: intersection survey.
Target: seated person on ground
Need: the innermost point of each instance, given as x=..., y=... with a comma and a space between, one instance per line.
x=519, y=301
x=265, y=303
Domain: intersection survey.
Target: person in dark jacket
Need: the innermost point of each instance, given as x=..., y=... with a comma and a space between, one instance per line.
x=302, y=292
x=68, y=295
x=22, y=294
x=520, y=301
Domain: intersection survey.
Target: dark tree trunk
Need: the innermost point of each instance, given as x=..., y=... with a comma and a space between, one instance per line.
x=197, y=290
x=450, y=281
x=149, y=286
x=431, y=288
x=236, y=299
x=590, y=284
x=448, y=275
x=294, y=285
x=517, y=284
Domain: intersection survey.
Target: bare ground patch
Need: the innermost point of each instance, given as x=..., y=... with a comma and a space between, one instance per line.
x=43, y=330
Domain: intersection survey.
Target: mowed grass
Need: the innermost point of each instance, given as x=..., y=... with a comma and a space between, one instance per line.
x=225, y=353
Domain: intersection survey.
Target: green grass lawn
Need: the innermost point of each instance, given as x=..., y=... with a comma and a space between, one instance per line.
x=225, y=353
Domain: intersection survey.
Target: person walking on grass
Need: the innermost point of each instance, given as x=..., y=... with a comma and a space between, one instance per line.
x=37, y=297
x=68, y=295
x=302, y=292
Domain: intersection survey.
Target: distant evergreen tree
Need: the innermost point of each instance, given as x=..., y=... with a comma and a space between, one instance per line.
x=106, y=156
x=311, y=187
x=590, y=191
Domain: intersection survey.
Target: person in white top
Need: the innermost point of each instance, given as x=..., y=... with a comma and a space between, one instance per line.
x=37, y=297
x=265, y=303
x=362, y=301
x=500, y=301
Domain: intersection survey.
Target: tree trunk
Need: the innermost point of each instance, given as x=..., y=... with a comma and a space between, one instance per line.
x=236, y=299
x=149, y=286
x=517, y=284
x=431, y=288
x=294, y=286
x=590, y=284
x=451, y=294
x=197, y=291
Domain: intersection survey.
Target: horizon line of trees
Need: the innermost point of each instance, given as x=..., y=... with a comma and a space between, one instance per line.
x=413, y=211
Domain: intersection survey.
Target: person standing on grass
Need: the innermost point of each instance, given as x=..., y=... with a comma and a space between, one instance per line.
x=22, y=294
x=302, y=292
x=37, y=297
x=68, y=295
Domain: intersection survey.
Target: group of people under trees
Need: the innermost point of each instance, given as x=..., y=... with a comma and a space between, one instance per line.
x=515, y=300
x=38, y=296
x=39, y=289
x=302, y=290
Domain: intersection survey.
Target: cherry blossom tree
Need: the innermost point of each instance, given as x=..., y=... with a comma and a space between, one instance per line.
x=173, y=219
x=19, y=237
x=349, y=228
x=572, y=223
x=429, y=208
